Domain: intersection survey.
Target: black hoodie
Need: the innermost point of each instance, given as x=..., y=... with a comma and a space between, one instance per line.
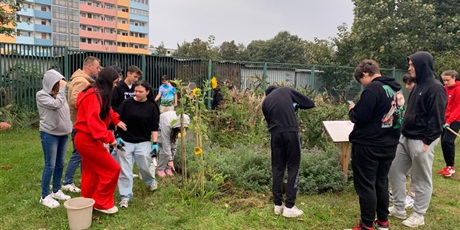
x=377, y=100
x=279, y=111
x=120, y=93
x=427, y=102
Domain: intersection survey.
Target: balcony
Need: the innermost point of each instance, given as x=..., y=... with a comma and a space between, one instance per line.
x=96, y=47
x=25, y=26
x=132, y=50
x=122, y=14
x=121, y=38
x=7, y=39
x=44, y=42
x=138, y=17
x=123, y=3
x=43, y=28
x=25, y=40
x=97, y=22
x=97, y=35
x=42, y=14
x=136, y=40
x=123, y=26
x=44, y=2
x=114, y=2
x=26, y=12
x=139, y=29
x=97, y=10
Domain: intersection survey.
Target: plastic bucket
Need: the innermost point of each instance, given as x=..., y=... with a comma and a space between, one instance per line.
x=79, y=212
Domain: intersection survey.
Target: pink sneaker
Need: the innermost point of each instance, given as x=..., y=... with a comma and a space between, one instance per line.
x=169, y=172
x=161, y=173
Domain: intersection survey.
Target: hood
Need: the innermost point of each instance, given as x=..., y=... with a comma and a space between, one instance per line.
x=50, y=78
x=177, y=121
x=390, y=82
x=270, y=89
x=82, y=95
x=423, y=64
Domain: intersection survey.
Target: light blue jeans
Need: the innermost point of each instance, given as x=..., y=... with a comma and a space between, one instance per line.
x=54, y=148
x=134, y=152
x=73, y=164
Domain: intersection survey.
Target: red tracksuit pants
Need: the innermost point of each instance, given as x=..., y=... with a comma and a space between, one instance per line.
x=99, y=171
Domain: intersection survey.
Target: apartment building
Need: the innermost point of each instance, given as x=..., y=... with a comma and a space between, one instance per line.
x=99, y=25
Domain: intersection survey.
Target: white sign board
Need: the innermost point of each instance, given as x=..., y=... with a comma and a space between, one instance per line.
x=339, y=130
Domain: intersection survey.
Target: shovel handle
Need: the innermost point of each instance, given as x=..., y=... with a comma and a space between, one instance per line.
x=456, y=134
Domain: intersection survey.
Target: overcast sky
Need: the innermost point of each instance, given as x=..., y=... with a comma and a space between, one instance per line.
x=175, y=21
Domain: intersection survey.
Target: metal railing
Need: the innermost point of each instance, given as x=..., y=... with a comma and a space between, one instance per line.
x=22, y=68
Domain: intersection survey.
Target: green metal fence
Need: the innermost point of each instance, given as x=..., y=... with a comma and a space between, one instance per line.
x=22, y=68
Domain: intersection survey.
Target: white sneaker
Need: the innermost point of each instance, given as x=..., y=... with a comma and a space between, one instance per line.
x=292, y=212
x=398, y=214
x=70, y=188
x=278, y=209
x=408, y=202
x=154, y=186
x=111, y=210
x=135, y=175
x=414, y=220
x=60, y=195
x=49, y=202
x=123, y=204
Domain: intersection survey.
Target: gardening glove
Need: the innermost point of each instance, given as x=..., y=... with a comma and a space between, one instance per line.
x=154, y=148
x=295, y=106
x=446, y=125
x=120, y=144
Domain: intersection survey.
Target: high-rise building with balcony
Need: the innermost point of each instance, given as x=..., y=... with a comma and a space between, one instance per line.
x=100, y=25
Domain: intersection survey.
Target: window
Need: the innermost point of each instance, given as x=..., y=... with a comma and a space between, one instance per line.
x=43, y=22
x=44, y=36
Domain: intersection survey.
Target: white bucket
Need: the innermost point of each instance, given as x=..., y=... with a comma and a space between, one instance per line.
x=79, y=212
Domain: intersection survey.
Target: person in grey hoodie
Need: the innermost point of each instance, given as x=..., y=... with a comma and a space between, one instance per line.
x=167, y=136
x=55, y=127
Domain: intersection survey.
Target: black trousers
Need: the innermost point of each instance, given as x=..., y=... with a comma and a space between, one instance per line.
x=448, y=143
x=285, y=153
x=370, y=176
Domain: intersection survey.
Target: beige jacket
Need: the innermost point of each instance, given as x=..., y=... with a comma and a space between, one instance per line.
x=78, y=82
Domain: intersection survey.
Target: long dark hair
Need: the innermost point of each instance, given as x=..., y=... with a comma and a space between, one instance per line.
x=104, y=86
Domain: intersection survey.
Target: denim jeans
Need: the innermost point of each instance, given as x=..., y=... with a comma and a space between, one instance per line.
x=54, y=148
x=73, y=164
x=139, y=153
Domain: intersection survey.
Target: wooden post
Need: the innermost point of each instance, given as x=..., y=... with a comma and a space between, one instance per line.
x=344, y=156
x=339, y=132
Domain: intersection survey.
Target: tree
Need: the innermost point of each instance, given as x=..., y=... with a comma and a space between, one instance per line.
x=197, y=49
x=8, y=19
x=283, y=48
x=232, y=51
x=161, y=50
x=319, y=52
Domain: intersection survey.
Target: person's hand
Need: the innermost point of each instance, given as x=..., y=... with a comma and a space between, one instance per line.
x=171, y=165
x=154, y=147
x=175, y=104
x=446, y=125
x=62, y=83
x=350, y=107
x=114, y=143
x=425, y=147
x=119, y=141
x=122, y=125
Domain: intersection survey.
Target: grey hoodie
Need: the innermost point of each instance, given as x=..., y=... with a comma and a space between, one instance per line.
x=54, y=113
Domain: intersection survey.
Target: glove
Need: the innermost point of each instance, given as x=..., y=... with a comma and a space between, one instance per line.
x=120, y=143
x=446, y=125
x=154, y=149
x=295, y=106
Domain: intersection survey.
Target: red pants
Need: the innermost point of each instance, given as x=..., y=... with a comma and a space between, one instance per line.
x=99, y=171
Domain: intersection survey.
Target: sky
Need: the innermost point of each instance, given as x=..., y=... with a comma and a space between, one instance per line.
x=176, y=21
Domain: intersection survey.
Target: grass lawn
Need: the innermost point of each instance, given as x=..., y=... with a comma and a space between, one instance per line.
x=21, y=161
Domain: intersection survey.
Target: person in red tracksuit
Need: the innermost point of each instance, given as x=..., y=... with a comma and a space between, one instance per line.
x=99, y=170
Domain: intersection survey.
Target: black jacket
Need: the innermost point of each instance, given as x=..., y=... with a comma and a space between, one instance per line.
x=279, y=111
x=376, y=115
x=120, y=93
x=427, y=102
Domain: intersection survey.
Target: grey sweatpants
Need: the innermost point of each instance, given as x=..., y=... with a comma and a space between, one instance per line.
x=410, y=154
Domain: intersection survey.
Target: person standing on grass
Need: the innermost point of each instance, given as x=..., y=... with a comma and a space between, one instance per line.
x=279, y=108
x=377, y=118
x=169, y=130
x=452, y=86
x=78, y=82
x=422, y=126
x=167, y=95
x=100, y=171
x=55, y=127
x=141, y=115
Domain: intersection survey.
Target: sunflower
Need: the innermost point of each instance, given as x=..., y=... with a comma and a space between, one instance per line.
x=198, y=150
x=214, y=82
x=196, y=92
